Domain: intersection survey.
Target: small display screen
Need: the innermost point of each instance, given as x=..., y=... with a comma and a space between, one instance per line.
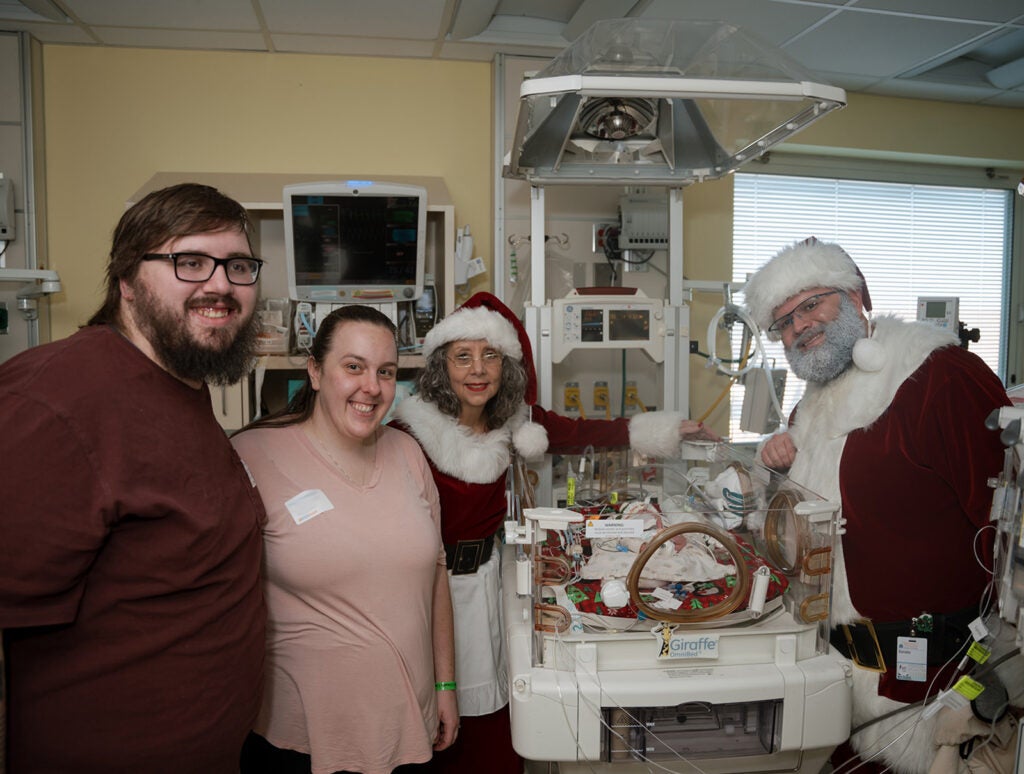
x=591, y=325
x=933, y=309
x=355, y=240
x=629, y=324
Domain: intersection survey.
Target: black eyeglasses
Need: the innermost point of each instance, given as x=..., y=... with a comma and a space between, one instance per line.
x=199, y=267
x=802, y=310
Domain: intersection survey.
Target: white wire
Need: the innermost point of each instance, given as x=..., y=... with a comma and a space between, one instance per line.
x=602, y=694
x=753, y=362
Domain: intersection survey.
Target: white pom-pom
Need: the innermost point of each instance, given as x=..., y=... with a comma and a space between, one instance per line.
x=869, y=355
x=530, y=440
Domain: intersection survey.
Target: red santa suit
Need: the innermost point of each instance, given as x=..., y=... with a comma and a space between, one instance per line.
x=899, y=439
x=906, y=451
x=469, y=472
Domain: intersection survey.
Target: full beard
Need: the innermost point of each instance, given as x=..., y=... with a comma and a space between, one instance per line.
x=832, y=356
x=224, y=359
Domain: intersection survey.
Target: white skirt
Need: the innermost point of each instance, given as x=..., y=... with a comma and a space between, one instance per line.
x=481, y=664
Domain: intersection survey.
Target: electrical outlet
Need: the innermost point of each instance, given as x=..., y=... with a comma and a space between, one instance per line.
x=601, y=232
x=601, y=401
x=571, y=398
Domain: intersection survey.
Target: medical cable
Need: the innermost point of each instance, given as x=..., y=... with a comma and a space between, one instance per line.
x=734, y=376
x=725, y=314
x=596, y=710
x=911, y=712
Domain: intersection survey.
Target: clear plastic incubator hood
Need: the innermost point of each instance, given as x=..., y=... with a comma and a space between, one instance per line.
x=656, y=101
x=684, y=632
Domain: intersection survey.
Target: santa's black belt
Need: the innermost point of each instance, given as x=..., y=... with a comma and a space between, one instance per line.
x=872, y=645
x=466, y=556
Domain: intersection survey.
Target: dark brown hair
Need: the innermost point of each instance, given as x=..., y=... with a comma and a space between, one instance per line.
x=175, y=211
x=300, y=407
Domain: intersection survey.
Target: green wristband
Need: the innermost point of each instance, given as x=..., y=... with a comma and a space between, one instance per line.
x=445, y=686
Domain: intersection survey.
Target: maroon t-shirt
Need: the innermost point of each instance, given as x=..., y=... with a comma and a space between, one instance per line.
x=130, y=546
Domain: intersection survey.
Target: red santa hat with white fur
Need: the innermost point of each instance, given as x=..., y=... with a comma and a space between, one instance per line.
x=801, y=266
x=485, y=317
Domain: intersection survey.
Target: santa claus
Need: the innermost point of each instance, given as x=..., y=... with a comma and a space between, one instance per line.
x=892, y=426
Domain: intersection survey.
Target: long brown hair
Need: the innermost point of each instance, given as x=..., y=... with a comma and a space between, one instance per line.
x=300, y=407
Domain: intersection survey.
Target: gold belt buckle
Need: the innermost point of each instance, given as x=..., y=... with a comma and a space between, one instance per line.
x=862, y=641
x=467, y=556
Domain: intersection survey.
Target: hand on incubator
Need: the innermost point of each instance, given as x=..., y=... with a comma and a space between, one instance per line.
x=779, y=451
x=692, y=430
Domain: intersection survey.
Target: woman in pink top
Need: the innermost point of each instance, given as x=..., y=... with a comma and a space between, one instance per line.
x=360, y=657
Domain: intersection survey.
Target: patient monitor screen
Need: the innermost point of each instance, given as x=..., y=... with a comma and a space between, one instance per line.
x=629, y=324
x=355, y=240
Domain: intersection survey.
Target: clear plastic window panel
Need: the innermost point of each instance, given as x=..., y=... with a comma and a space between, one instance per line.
x=712, y=542
x=694, y=730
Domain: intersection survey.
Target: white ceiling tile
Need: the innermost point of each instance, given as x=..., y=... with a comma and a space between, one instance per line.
x=858, y=45
x=846, y=80
x=179, y=14
x=419, y=20
x=916, y=89
x=484, y=52
x=50, y=33
x=351, y=46
x=877, y=44
x=980, y=10
x=774, y=22
x=151, y=38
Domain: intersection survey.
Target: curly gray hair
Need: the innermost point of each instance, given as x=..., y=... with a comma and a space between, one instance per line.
x=434, y=386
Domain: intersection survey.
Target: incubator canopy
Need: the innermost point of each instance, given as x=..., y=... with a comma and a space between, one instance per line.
x=661, y=102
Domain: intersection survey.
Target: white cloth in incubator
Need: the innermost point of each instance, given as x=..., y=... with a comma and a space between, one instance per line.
x=727, y=496
x=693, y=562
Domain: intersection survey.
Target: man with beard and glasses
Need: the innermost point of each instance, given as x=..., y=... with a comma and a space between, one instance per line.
x=892, y=426
x=130, y=531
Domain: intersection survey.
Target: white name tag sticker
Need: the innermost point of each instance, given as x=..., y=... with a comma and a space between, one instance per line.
x=305, y=505
x=604, y=528
x=912, y=659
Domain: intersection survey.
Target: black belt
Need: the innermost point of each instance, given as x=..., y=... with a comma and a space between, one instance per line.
x=466, y=556
x=947, y=635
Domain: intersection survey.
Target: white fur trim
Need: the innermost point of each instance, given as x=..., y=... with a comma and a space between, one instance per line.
x=796, y=268
x=474, y=324
x=656, y=433
x=476, y=458
x=530, y=438
x=914, y=752
x=869, y=355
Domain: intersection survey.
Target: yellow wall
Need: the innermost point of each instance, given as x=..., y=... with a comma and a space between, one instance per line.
x=922, y=130
x=114, y=117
